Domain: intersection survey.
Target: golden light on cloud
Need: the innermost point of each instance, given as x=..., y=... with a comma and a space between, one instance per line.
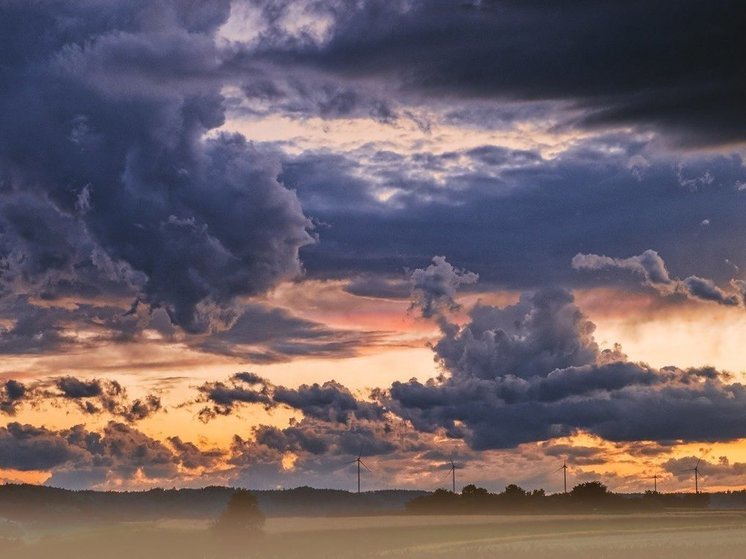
x=693, y=334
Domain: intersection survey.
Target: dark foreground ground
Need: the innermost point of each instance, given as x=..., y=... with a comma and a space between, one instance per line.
x=679, y=535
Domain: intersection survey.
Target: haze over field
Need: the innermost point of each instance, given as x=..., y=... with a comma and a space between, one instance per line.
x=673, y=536
x=245, y=242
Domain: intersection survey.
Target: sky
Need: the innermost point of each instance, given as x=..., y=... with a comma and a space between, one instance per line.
x=245, y=242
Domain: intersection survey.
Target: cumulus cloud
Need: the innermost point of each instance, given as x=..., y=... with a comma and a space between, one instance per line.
x=540, y=376
x=109, y=169
x=434, y=287
x=653, y=270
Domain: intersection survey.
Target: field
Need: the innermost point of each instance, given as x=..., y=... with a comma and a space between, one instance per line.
x=710, y=535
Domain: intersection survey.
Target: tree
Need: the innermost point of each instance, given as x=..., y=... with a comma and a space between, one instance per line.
x=590, y=491
x=472, y=491
x=514, y=493
x=242, y=518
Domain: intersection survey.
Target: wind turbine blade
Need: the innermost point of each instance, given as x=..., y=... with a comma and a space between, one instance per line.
x=366, y=467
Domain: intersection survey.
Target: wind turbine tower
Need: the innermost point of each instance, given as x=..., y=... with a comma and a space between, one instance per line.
x=695, y=469
x=359, y=461
x=564, y=474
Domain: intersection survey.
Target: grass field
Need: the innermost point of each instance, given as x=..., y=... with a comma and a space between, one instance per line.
x=701, y=535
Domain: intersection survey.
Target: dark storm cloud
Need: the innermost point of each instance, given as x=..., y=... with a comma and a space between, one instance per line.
x=102, y=129
x=641, y=63
x=653, y=270
x=306, y=95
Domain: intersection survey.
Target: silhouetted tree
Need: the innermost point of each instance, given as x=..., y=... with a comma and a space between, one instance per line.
x=514, y=493
x=472, y=491
x=590, y=492
x=242, y=518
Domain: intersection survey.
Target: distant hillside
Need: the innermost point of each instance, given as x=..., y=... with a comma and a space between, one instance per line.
x=41, y=503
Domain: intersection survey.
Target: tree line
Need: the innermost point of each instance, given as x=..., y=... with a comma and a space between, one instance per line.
x=584, y=497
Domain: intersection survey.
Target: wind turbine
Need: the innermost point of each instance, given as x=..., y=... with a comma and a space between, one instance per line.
x=453, y=475
x=563, y=467
x=655, y=482
x=359, y=462
x=695, y=469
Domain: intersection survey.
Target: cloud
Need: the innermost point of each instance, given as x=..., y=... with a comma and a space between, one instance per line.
x=98, y=396
x=434, y=287
x=223, y=397
x=379, y=287
x=12, y=394
x=528, y=372
x=24, y=447
x=92, y=397
x=545, y=377
x=712, y=471
x=109, y=168
x=653, y=270
x=267, y=335
x=518, y=224
x=647, y=68
x=331, y=401
x=117, y=455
